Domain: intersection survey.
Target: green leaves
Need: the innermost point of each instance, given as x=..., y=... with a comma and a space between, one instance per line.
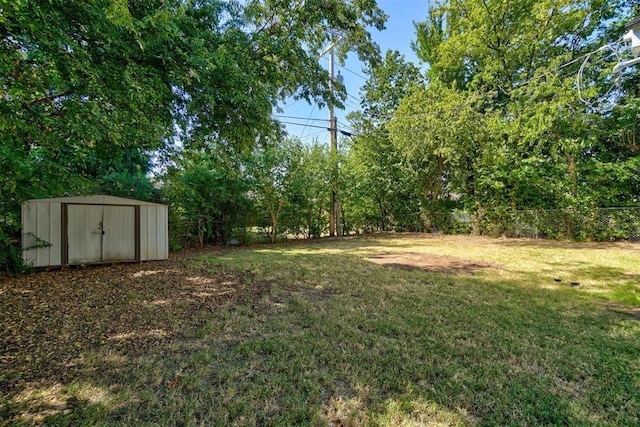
x=441, y=135
x=378, y=193
x=83, y=84
x=499, y=125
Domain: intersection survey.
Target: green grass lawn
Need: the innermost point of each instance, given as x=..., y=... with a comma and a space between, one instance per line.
x=494, y=332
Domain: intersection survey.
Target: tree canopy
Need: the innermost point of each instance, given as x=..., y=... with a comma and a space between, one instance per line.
x=172, y=100
x=84, y=83
x=501, y=123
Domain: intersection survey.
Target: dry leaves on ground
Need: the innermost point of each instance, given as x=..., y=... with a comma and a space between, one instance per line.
x=49, y=319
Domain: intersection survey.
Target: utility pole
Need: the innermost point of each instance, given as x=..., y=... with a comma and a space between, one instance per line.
x=335, y=225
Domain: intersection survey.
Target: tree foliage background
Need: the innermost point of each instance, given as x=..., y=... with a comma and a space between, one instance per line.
x=90, y=91
x=498, y=125
x=172, y=100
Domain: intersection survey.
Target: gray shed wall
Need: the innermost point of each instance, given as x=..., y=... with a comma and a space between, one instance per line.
x=154, y=239
x=42, y=220
x=93, y=229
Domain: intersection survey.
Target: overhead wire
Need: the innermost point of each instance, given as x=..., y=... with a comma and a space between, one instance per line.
x=580, y=76
x=325, y=128
x=299, y=117
x=352, y=105
x=293, y=103
x=354, y=98
x=567, y=64
x=349, y=70
x=585, y=58
x=303, y=124
x=328, y=128
x=310, y=114
x=353, y=72
x=312, y=135
x=344, y=125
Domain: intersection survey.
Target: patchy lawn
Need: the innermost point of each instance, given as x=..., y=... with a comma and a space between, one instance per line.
x=73, y=325
x=383, y=330
x=429, y=262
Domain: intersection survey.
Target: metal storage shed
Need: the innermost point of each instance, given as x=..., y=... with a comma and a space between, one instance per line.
x=93, y=229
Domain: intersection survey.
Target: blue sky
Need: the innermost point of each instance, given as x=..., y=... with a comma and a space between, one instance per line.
x=398, y=35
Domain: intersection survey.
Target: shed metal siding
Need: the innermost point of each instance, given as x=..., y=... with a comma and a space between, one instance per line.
x=153, y=233
x=41, y=227
x=144, y=232
x=133, y=230
x=84, y=235
x=163, y=232
x=119, y=233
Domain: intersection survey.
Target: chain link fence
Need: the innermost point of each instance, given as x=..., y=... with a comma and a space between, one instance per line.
x=600, y=224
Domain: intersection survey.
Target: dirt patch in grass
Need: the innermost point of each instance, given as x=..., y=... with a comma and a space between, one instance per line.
x=429, y=262
x=49, y=320
x=633, y=313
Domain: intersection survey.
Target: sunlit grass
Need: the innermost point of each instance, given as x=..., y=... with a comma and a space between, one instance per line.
x=609, y=270
x=511, y=338
x=340, y=340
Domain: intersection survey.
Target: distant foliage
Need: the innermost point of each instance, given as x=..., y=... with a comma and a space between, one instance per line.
x=221, y=197
x=497, y=128
x=208, y=200
x=91, y=91
x=172, y=101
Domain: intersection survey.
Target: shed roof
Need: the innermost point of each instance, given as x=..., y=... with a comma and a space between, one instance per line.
x=98, y=199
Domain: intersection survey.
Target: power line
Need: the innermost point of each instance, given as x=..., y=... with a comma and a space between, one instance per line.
x=346, y=126
x=566, y=64
x=299, y=117
x=353, y=72
x=580, y=75
x=304, y=125
x=317, y=127
x=293, y=103
x=354, y=98
x=352, y=105
x=313, y=134
x=308, y=118
x=458, y=107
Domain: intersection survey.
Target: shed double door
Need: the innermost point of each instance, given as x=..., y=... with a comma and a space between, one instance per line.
x=99, y=233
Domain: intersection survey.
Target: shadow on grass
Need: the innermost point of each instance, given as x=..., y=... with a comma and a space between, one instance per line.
x=512, y=354
x=64, y=327
x=334, y=339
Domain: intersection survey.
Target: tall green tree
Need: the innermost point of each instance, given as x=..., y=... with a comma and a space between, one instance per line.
x=441, y=134
x=379, y=192
x=107, y=76
x=495, y=46
x=290, y=188
x=207, y=193
x=308, y=190
x=510, y=67
x=270, y=169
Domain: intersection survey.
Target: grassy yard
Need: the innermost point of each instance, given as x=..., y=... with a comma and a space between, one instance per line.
x=377, y=330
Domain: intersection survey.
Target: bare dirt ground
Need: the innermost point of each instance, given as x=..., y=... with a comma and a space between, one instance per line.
x=49, y=319
x=429, y=262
